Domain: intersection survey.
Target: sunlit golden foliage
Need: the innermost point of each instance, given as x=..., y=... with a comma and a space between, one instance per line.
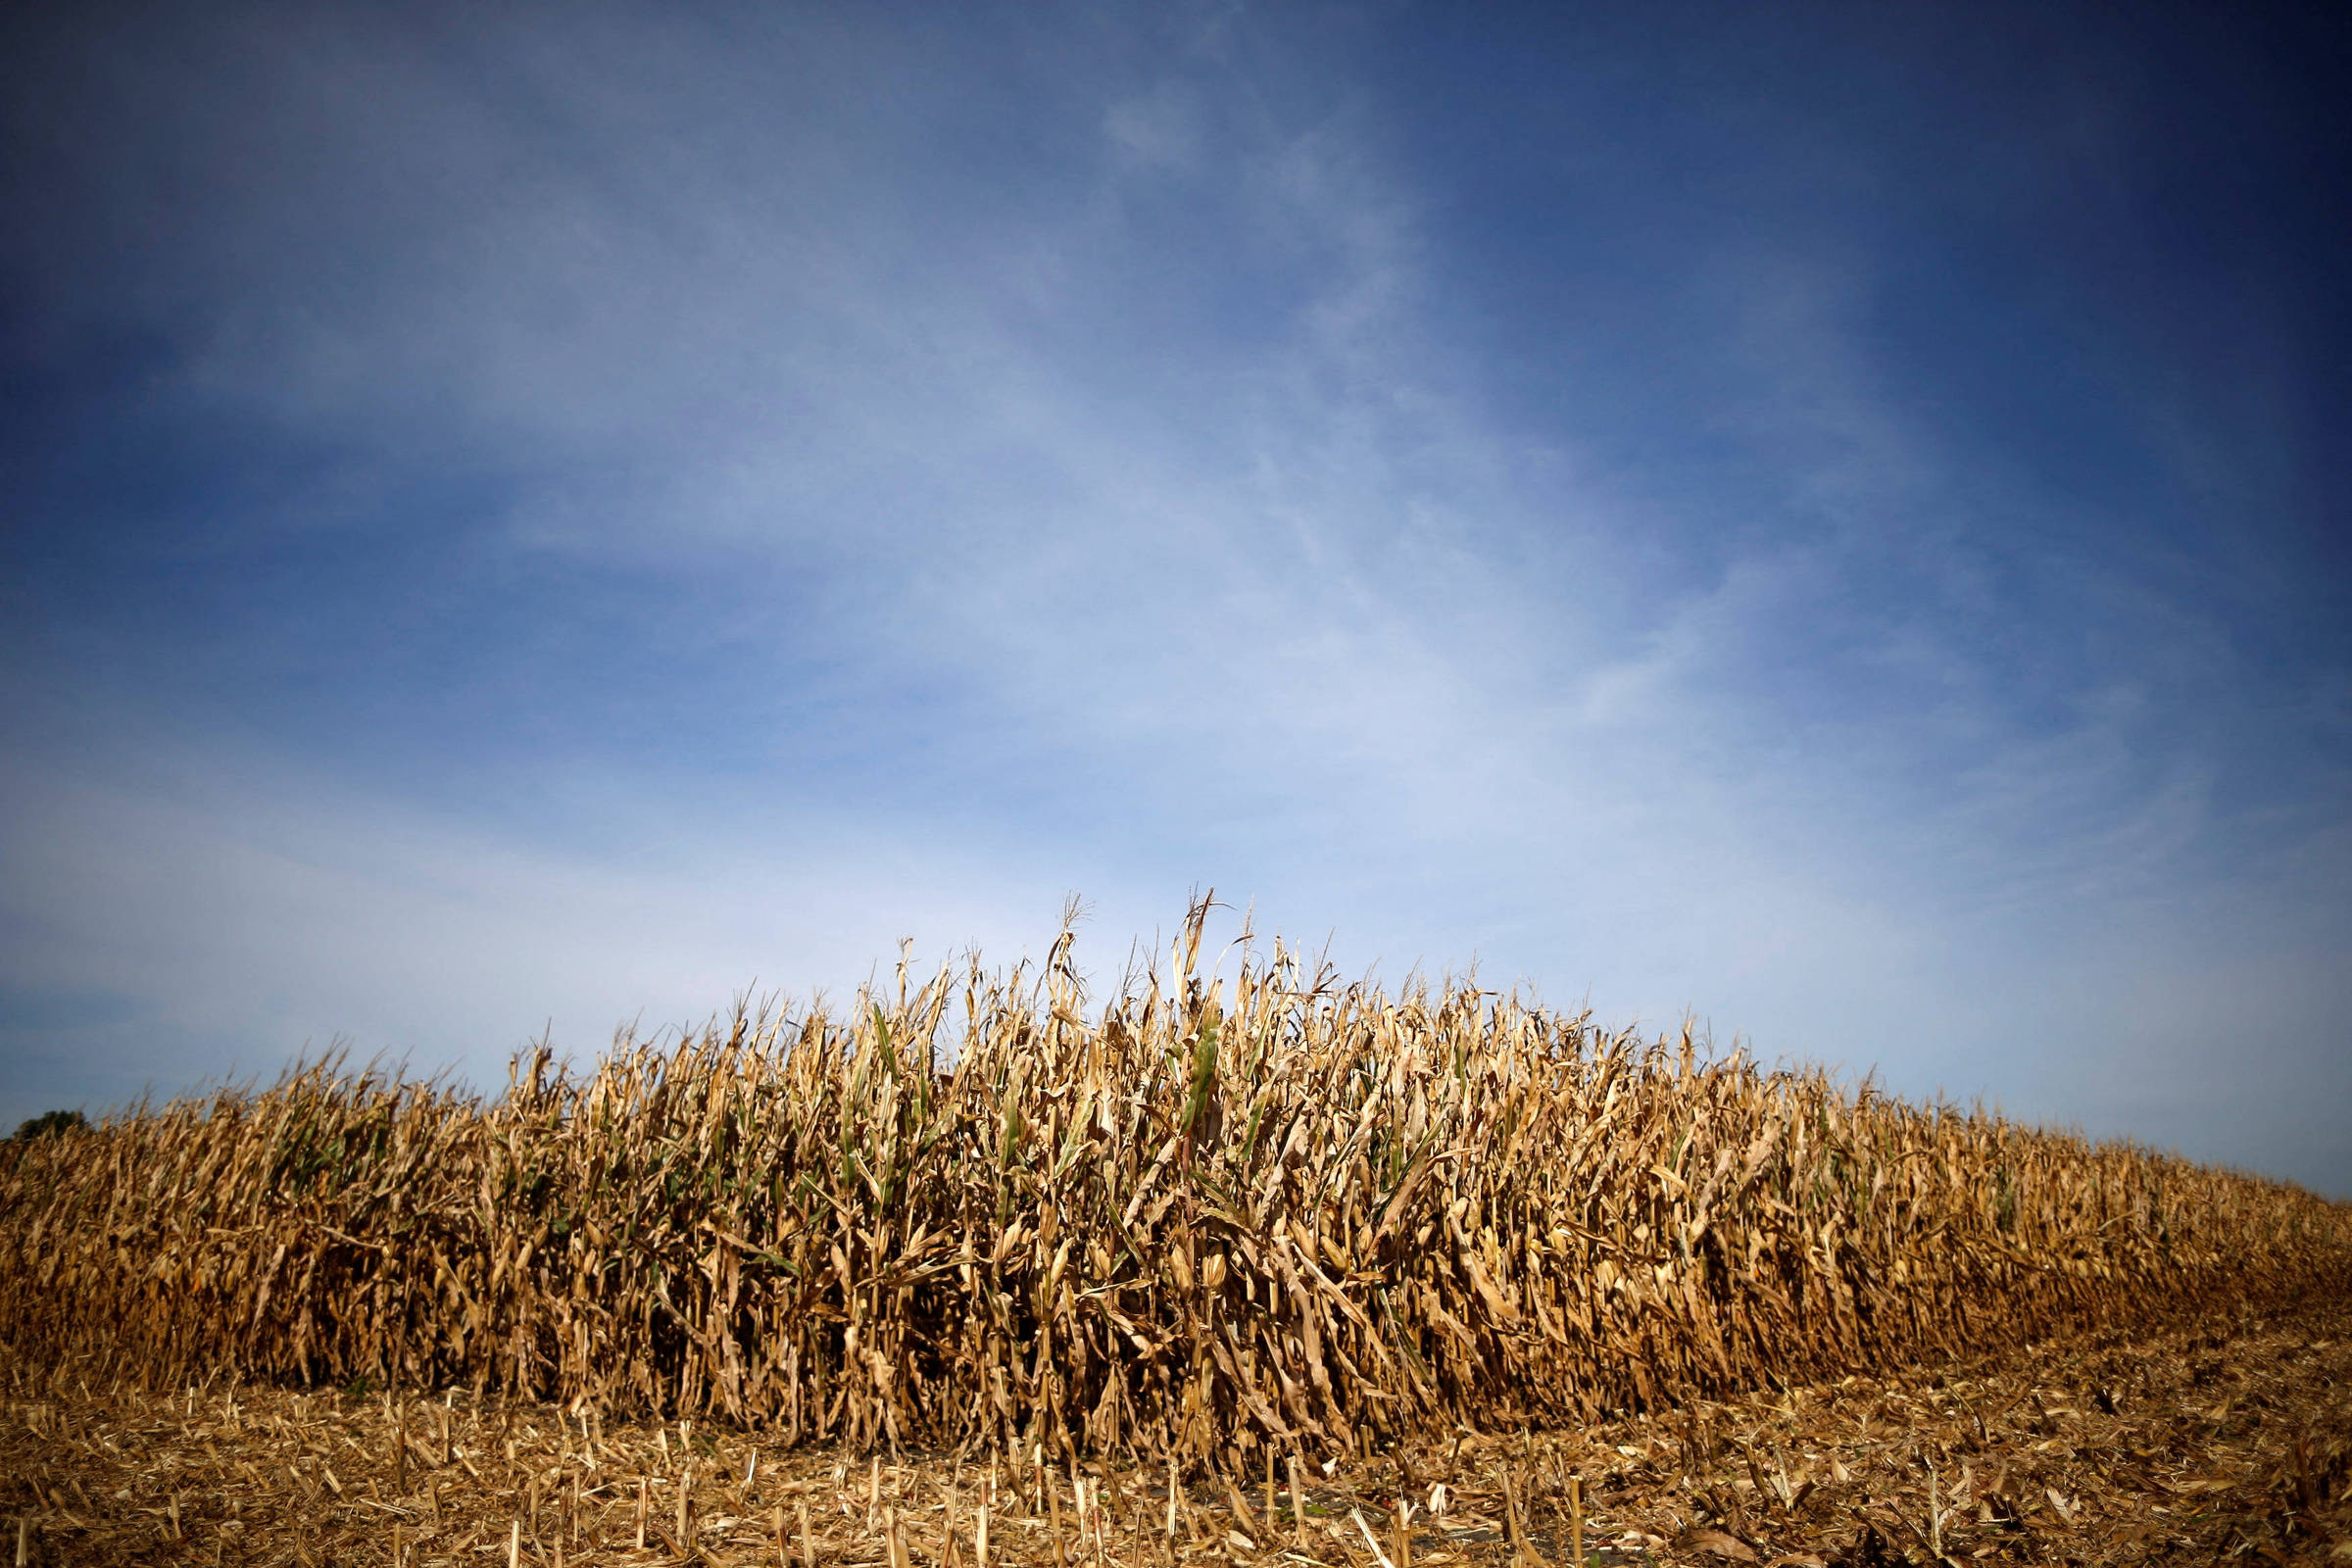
x=1209, y=1217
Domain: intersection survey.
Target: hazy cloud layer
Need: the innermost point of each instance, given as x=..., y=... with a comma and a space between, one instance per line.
x=523, y=523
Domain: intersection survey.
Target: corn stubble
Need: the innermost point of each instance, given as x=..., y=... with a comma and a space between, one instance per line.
x=1219, y=1223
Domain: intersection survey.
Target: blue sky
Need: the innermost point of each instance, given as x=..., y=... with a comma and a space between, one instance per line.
x=1829, y=518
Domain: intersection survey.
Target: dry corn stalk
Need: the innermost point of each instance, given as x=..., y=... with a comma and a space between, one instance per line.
x=1209, y=1222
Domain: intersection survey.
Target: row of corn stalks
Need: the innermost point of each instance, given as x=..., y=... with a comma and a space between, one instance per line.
x=1213, y=1217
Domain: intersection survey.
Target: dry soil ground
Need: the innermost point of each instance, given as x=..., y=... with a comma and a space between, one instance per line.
x=2198, y=1442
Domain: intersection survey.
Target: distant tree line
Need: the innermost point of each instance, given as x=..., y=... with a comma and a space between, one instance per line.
x=51, y=1124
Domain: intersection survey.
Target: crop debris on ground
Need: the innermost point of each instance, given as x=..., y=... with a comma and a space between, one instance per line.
x=2200, y=1442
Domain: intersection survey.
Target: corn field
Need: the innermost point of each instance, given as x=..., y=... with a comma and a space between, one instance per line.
x=1213, y=1221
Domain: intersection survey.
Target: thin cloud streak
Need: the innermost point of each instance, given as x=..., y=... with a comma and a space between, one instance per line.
x=1013, y=548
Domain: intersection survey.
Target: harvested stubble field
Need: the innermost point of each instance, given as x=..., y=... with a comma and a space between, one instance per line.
x=1265, y=1231
x=2197, y=1444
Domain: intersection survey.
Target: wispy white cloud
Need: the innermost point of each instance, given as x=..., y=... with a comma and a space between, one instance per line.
x=1127, y=564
